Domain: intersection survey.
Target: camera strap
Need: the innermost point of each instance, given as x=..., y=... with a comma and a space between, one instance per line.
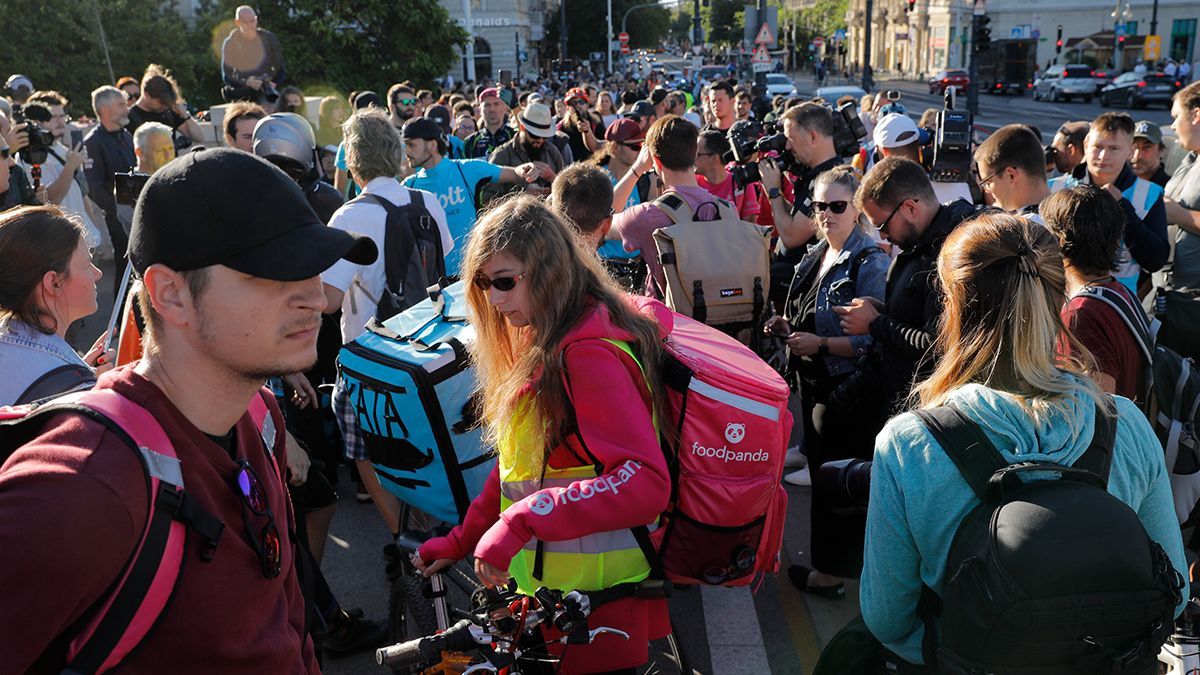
x=78, y=177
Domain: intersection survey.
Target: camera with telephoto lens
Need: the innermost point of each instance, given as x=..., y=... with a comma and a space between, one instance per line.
x=743, y=139
x=846, y=485
x=951, y=144
x=40, y=140
x=848, y=130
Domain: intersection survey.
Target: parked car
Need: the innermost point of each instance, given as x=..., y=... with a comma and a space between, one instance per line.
x=1104, y=77
x=832, y=94
x=1062, y=83
x=1138, y=91
x=780, y=84
x=948, y=78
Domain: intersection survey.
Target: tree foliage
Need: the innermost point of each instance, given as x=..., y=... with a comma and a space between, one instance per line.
x=586, y=21
x=328, y=45
x=681, y=27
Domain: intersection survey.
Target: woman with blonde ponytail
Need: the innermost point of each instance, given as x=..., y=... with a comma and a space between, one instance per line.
x=568, y=372
x=1001, y=366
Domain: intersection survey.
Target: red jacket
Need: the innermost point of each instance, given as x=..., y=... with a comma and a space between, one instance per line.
x=612, y=406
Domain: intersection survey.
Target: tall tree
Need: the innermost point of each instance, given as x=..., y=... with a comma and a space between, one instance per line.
x=586, y=20
x=681, y=27
x=723, y=21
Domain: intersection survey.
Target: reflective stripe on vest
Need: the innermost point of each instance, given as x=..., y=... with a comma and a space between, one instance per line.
x=593, y=562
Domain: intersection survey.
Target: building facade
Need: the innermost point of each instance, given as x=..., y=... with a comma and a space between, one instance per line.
x=936, y=33
x=506, y=35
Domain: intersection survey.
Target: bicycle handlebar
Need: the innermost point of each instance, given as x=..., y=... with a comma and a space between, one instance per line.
x=428, y=649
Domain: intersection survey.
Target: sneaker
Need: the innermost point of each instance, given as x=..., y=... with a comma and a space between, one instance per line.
x=801, y=478
x=353, y=634
x=795, y=457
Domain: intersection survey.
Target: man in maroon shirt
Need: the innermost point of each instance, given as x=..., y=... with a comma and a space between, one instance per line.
x=229, y=254
x=1089, y=226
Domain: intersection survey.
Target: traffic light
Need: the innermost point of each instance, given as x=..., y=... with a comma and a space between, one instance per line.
x=983, y=35
x=1058, y=45
x=1121, y=40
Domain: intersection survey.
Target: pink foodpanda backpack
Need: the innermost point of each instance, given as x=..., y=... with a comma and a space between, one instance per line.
x=724, y=522
x=138, y=597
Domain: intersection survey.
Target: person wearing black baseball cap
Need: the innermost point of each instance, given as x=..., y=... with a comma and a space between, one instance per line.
x=229, y=253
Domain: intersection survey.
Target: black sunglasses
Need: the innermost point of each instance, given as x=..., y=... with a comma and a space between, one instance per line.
x=266, y=542
x=837, y=207
x=633, y=146
x=505, y=284
x=889, y=218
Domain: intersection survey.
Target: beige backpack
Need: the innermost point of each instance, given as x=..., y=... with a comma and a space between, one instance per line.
x=717, y=271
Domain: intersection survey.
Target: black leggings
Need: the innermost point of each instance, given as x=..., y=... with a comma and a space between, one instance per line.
x=832, y=433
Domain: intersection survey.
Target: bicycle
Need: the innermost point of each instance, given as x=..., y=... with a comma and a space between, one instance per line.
x=1181, y=652
x=504, y=630
x=425, y=607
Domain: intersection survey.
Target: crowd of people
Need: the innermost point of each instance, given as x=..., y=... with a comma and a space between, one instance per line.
x=891, y=293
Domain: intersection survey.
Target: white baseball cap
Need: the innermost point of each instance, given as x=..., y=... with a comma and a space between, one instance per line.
x=896, y=130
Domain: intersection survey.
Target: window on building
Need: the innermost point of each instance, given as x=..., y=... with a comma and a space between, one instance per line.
x=1183, y=39
x=483, y=60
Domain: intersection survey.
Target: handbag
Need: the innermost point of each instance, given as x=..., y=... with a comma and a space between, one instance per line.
x=853, y=650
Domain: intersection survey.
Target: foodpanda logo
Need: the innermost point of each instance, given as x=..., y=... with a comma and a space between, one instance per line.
x=734, y=433
x=724, y=454
x=542, y=505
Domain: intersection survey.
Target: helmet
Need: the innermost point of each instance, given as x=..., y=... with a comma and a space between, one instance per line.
x=287, y=137
x=743, y=136
x=889, y=108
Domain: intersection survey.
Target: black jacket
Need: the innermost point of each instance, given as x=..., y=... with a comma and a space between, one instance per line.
x=905, y=332
x=111, y=152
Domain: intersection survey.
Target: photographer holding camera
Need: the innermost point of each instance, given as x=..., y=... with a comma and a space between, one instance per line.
x=62, y=167
x=808, y=152
x=251, y=61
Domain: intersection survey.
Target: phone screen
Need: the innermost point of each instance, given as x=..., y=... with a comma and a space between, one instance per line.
x=76, y=137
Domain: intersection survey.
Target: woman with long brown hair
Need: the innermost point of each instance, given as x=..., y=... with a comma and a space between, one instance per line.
x=567, y=369
x=1004, y=285
x=47, y=281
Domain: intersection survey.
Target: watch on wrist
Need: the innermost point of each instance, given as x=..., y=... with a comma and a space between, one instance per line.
x=772, y=193
x=823, y=349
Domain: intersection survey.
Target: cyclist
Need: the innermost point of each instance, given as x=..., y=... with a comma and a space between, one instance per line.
x=573, y=477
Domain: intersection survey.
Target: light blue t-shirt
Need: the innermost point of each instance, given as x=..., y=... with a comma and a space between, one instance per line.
x=339, y=161
x=458, y=149
x=614, y=249
x=454, y=181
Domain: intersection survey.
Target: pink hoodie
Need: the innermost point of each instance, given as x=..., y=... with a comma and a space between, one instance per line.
x=612, y=406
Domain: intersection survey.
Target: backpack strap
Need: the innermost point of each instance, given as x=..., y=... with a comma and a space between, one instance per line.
x=472, y=190
x=675, y=208
x=966, y=445
x=121, y=619
x=1135, y=319
x=1098, y=456
x=65, y=378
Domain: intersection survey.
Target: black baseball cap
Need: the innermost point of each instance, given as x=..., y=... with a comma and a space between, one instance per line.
x=640, y=110
x=441, y=115
x=423, y=128
x=228, y=207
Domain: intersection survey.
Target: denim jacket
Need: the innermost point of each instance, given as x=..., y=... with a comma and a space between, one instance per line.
x=837, y=288
x=26, y=355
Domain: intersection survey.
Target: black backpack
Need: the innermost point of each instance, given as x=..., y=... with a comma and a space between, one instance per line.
x=1170, y=397
x=1046, y=576
x=63, y=379
x=413, y=259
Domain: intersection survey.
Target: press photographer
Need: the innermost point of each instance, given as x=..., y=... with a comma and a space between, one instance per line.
x=61, y=167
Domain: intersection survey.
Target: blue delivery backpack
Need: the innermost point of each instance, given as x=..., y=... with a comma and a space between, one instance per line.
x=411, y=384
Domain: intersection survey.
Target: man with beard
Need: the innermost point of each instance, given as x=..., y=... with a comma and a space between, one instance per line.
x=455, y=182
x=402, y=104
x=110, y=148
x=897, y=197
x=531, y=144
x=229, y=255
x=495, y=131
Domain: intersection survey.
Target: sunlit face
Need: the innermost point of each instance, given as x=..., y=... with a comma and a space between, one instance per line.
x=799, y=141
x=1185, y=124
x=836, y=227
x=258, y=327
x=743, y=108
x=1147, y=157
x=159, y=151
x=76, y=290
x=895, y=224
x=1106, y=153
x=721, y=104
x=1067, y=156
x=494, y=111
x=997, y=182
x=247, y=22
x=419, y=151
x=464, y=126
x=58, y=122
x=243, y=137
x=515, y=305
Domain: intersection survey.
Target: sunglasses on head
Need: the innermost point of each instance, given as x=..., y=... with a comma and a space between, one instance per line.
x=483, y=282
x=267, y=543
x=406, y=101
x=837, y=207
